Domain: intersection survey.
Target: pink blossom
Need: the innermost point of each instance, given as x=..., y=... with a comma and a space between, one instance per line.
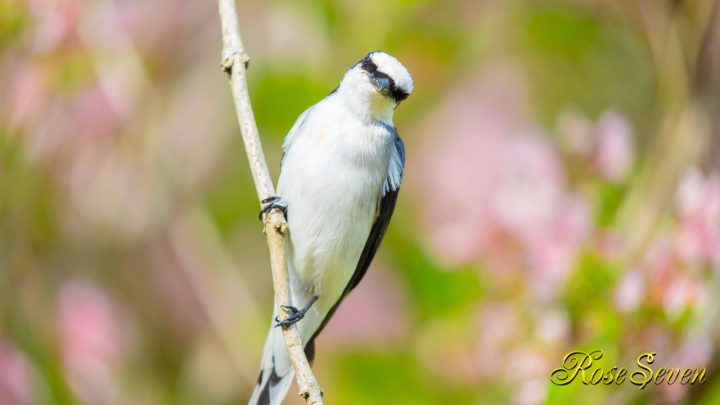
x=531, y=184
x=494, y=187
x=375, y=312
x=529, y=365
x=91, y=340
x=658, y=264
x=576, y=130
x=552, y=326
x=531, y=392
x=698, y=205
x=630, y=291
x=93, y=108
x=659, y=258
x=56, y=22
x=553, y=251
x=608, y=243
x=682, y=293
x=696, y=351
x=614, y=149
x=466, y=137
x=16, y=386
x=493, y=342
x=26, y=94
x=607, y=145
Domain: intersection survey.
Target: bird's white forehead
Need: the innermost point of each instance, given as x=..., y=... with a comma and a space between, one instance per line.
x=392, y=67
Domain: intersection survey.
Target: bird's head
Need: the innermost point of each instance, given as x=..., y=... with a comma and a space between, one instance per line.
x=377, y=84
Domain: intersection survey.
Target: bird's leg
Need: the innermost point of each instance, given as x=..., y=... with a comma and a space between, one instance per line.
x=273, y=202
x=295, y=314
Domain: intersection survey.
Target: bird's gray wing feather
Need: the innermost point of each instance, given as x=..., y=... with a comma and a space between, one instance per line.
x=384, y=213
x=382, y=220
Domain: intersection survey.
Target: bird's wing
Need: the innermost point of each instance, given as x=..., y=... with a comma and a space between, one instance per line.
x=293, y=133
x=384, y=212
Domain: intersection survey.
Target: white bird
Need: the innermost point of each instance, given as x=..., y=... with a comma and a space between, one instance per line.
x=339, y=179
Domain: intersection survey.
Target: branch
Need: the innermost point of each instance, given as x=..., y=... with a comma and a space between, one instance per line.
x=235, y=62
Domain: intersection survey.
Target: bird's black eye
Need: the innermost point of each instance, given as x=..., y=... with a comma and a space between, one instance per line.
x=397, y=94
x=368, y=65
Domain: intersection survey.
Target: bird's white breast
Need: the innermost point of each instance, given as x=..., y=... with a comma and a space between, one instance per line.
x=331, y=179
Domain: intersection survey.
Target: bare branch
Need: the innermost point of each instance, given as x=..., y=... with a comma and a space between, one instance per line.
x=235, y=62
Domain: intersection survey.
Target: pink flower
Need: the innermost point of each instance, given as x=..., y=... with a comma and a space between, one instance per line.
x=681, y=294
x=576, y=131
x=607, y=145
x=630, y=291
x=552, y=325
x=659, y=258
x=466, y=138
x=26, y=94
x=698, y=205
x=553, y=250
x=92, y=107
x=91, y=340
x=493, y=343
x=494, y=187
x=16, y=386
x=659, y=265
x=608, y=244
x=531, y=392
x=56, y=22
x=459, y=167
x=375, y=312
x=531, y=184
x=614, y=148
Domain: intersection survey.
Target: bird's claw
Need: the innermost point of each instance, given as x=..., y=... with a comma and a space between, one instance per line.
x=289, y=309
x=295, y=314
x=272, y=203
x=293, y=318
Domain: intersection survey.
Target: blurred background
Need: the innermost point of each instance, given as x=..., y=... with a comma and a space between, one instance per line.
x=562, y=193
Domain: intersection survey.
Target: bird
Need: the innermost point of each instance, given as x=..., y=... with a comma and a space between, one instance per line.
x=340, y=174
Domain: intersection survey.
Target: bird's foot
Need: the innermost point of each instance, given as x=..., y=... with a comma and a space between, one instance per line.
x=295, y=314
x=272, y=203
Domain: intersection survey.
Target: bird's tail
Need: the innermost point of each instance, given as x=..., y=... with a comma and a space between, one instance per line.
x=276, y=373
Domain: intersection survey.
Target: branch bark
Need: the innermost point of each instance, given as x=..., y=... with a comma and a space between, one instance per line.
x=234, y=62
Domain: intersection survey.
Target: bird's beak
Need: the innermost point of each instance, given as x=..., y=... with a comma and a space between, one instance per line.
x=382, y=84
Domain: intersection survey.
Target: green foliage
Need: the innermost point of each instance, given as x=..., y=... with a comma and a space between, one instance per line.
x=582, y=58
x=436, y=291
x=589, y=290
x=609, y=201
x=374, y=377
x=563, y=31
x=281, y=94
x=27, y=197
x=13, y=19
